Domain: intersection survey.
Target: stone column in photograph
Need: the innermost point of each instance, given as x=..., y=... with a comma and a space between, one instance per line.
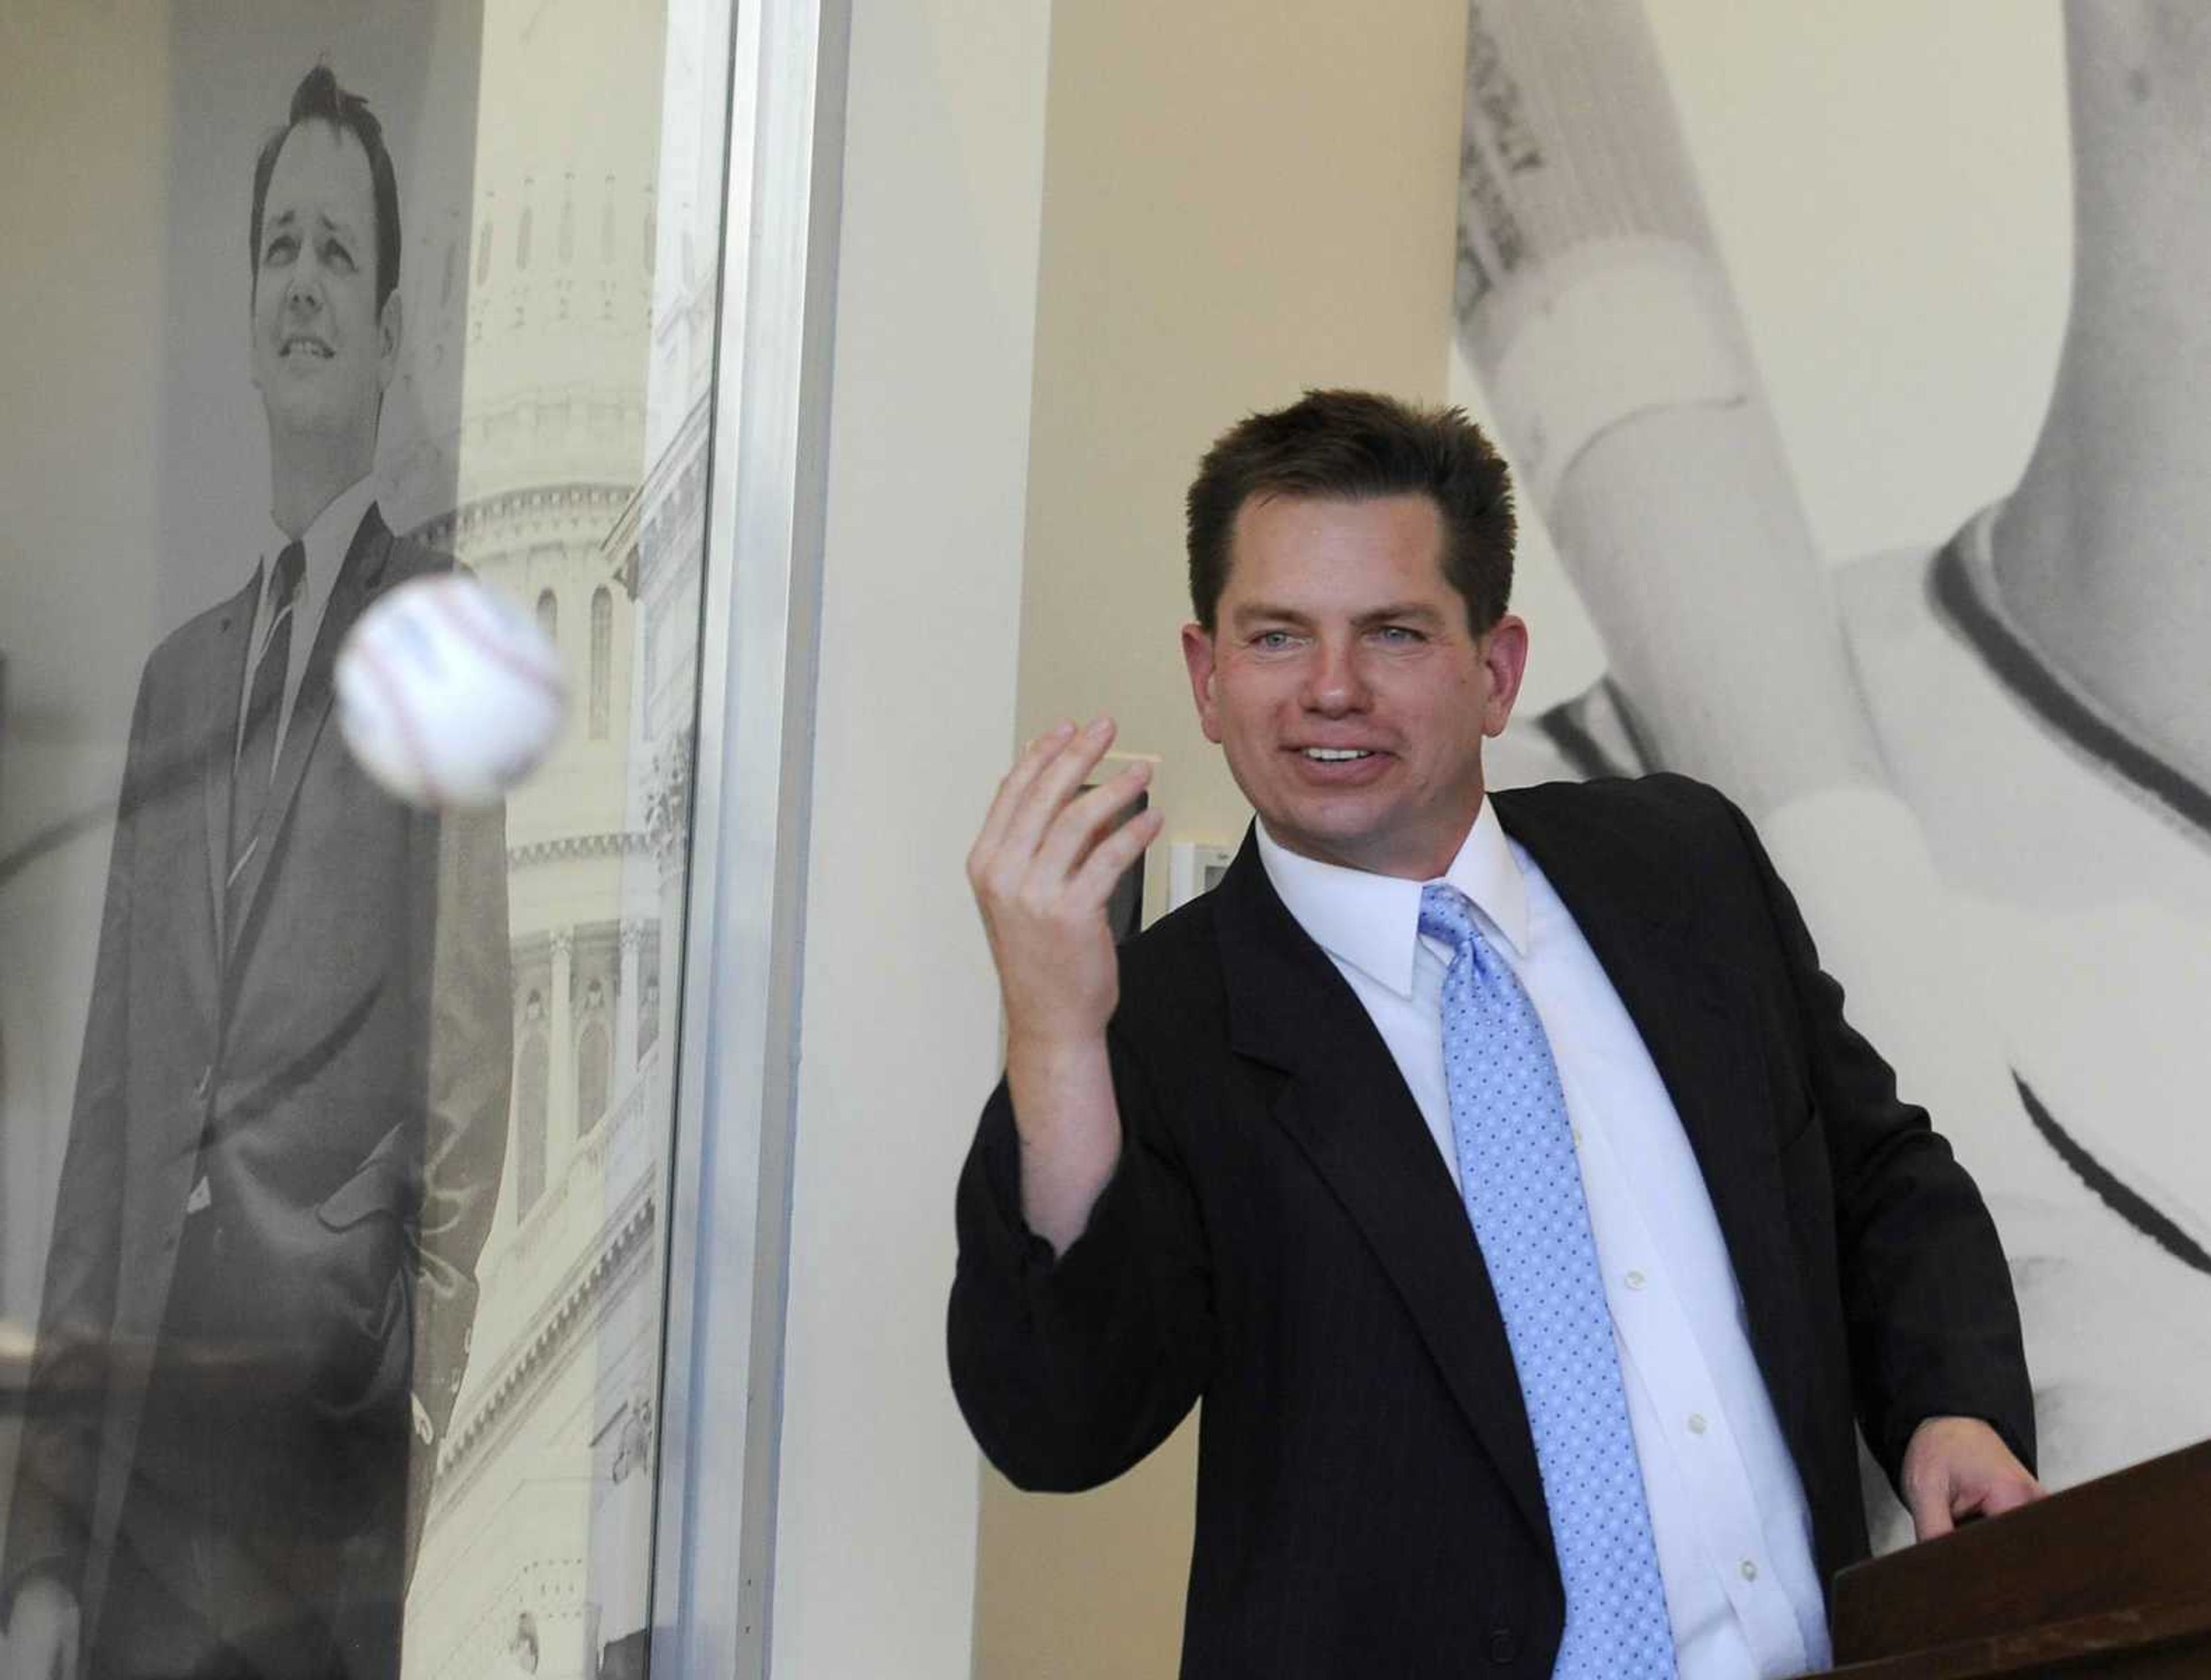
x=561, y=1097
x=626, y=983
x=668, y=820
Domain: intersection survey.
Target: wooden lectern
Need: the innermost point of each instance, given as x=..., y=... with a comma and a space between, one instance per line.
x=2109, y=1578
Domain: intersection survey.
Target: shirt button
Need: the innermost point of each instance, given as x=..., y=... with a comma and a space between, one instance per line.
x=1749, y=1570
x=1636, y=1280
x=1696, y=1422
x=1503, y=1646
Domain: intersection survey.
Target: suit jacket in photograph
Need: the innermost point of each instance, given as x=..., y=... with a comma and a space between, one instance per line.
x=334, y=1060
x=1282, y=1239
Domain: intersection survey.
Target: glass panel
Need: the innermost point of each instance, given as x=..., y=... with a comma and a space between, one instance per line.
x=334, y=1156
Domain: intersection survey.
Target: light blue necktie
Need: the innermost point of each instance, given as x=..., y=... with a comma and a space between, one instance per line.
x=1523, y=1192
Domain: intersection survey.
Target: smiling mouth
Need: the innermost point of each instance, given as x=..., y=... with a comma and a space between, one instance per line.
x=1336, y=754
x=309, y=347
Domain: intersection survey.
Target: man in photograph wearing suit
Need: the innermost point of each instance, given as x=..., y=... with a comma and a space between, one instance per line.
x=1499, y=1170
x=290, y=1115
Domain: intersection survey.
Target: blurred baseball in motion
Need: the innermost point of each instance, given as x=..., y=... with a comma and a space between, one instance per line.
x=447, y=694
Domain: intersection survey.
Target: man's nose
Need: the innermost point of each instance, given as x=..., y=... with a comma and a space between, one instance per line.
x=303, y=285
x=1335, y=684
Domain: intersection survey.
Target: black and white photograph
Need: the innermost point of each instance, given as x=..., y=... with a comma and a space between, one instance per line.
x=1970, y=721
x=336, y=1034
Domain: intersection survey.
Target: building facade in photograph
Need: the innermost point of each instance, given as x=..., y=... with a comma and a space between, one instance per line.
x=579, y=300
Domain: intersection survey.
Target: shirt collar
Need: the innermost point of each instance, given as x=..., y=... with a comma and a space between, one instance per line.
x=325, y=543
x=1373, y=921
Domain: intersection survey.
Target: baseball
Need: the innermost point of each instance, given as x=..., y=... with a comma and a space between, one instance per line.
x=447, y=694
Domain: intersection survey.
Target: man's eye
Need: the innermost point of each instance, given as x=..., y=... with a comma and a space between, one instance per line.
x=1272, y=639
x=1399, y=634
x=280, y=249
x=338, y=256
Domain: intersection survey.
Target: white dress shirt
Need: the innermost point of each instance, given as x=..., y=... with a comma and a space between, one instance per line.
x=1733, y=1533
x=324, y=544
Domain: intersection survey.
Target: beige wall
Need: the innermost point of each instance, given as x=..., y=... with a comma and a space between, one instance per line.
x=1241, y=200
x=876, y=1491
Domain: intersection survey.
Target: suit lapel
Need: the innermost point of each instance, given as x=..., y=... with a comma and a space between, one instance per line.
x=1646, y=939
x=357, y=581
x=1347, y=1109
x=222, y=694
x=1643, y=930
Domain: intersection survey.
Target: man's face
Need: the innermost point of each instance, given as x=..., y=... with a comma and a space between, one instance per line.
x=1345, y=685
x=323, y=352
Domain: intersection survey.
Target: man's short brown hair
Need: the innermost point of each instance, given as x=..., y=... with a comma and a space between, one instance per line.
x=1353, y=446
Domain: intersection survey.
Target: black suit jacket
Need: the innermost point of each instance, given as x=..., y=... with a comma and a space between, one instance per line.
x=1283, y=1238
x=335, y=1062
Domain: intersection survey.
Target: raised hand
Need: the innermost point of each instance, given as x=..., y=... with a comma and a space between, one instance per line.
x=1042, y=868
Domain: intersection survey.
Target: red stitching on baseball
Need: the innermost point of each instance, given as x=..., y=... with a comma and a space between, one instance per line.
x=395, y=699
x=462, y=617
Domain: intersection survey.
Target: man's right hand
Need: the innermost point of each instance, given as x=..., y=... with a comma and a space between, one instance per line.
x=42, y=1634
x=1042, y=871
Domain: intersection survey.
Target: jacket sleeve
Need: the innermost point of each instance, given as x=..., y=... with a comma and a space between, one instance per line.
x=1931, y=1320
x=57, y=1462
x=1070, y=1370
x=469, y=1071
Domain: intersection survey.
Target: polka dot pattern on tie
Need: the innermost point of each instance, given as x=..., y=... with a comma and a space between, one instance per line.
x=1523, y=1193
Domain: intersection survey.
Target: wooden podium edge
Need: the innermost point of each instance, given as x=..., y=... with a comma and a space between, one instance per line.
x=2038, y=1650
x=2108, y=1547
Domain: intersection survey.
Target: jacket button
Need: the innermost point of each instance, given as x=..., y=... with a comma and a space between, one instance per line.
x=1503, y=1645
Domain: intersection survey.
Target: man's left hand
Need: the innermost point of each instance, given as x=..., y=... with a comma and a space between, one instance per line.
x=1958, y=1468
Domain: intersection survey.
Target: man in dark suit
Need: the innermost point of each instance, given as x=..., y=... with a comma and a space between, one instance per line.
x=1501, y=1171
x=290, y=1115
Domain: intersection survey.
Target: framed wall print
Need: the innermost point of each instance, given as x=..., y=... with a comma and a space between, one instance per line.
x=337, y=1129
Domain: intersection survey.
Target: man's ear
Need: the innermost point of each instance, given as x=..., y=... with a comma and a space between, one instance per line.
x=1197, y=655
x=390, y=333
x=1503, y=651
